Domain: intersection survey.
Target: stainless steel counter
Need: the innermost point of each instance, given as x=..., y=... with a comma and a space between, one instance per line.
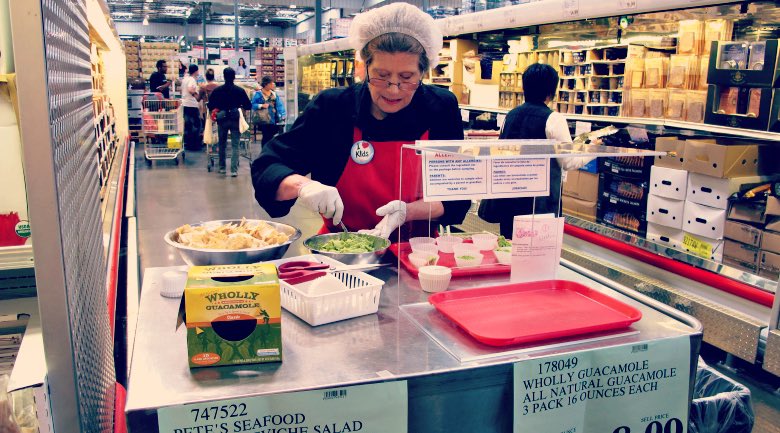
x=378, y=347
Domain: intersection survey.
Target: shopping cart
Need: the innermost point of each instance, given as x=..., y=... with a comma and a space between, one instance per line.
x=162, y=118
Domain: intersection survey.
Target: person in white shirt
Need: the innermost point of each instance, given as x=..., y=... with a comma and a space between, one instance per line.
x=189, y=100
x=534, y=120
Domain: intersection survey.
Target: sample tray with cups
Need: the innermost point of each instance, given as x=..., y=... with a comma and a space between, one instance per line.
x=531, y=312
x=489, y=266
x=360, y=297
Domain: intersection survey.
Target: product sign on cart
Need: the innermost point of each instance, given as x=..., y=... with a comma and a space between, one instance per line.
x=373, y=408
x=626, y=389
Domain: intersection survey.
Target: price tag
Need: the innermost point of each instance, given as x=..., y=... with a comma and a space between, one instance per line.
x=464, y=115
x=697, y=246
x=626, y=4
x=571, y=9
x=380, y=407
x=626, y=389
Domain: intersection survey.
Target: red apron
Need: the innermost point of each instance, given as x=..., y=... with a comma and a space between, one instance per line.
x=371, y=180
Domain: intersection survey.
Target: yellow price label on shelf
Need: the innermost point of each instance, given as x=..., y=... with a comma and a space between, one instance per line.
x=698, y=246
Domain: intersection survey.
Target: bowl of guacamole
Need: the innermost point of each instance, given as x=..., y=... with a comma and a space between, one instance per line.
x=349, y=248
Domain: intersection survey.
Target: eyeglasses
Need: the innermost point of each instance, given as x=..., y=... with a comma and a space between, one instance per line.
x=385, y=84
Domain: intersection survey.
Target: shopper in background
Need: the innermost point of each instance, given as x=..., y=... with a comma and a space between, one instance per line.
x=224, y=104
x=158, y=82
x=349, y=139
x=182, y=68
x=534, y=120
x=189, y=100
x=241, y=70
x=264, y=106
x=206, y=89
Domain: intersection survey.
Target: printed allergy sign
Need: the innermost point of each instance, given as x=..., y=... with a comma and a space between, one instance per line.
x=374, y=408
x=455, y=177
x=626, y=389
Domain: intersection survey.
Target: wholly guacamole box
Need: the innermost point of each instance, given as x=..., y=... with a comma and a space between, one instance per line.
x=233, y=315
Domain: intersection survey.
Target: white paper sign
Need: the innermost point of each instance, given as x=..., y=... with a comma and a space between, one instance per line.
x=375, y=408
x=571, y=9
x=627, y=389
x=500, y=119
x=464, y=115
x=626, y=4
x=454, y=177
x=536, y=247
x=582, y=127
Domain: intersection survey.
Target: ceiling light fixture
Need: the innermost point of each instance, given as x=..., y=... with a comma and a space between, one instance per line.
x=292, y=6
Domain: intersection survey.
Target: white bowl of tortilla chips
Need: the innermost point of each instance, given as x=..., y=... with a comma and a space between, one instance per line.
x=227, y=242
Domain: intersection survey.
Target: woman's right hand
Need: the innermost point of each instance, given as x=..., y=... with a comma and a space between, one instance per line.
x=322, y=199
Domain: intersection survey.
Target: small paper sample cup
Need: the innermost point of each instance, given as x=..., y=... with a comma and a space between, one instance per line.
x=434, y=278
x=446, y=243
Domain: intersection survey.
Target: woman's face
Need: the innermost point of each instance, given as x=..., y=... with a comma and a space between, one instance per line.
x=395, y=68
x=241, y=62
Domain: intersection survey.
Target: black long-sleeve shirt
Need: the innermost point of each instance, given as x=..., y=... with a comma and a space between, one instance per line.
x=229, y=96
x=320, y=140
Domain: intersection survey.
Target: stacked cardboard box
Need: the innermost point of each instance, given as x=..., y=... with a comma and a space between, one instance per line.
x=151, y=52
x=689, y=200
x=580, y=194
x=133, y=59
x=668, y=188
x=753, y=237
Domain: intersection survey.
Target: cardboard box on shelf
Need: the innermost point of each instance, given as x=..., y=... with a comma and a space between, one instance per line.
x=769, y=265
x=635, y=167
x=623, y=192
x=773, y=223
x=744, y=233
x=665, y=235
x=720, y=160
x=741, y=252
x=704, y=221
x=715, y=191
x=704, y=247
x=668, y=182
x=748, y=211
x=771, y=242
x=742, y=266
x=665, y=211
x=581, y=209
x=670, y=144
x=582, y=185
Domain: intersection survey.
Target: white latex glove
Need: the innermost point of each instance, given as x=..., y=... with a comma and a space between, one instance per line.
x=394, y=214
x=574, y=163
x=322, y=199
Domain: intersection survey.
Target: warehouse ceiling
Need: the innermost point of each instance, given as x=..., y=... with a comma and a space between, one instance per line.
x=283, y=13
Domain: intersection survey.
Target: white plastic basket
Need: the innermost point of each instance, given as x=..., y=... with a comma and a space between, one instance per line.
x=361, y=297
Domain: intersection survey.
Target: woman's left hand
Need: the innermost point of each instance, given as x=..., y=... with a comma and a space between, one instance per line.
x=394, y=214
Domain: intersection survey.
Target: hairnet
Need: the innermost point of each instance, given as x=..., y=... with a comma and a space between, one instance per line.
x=397, y=18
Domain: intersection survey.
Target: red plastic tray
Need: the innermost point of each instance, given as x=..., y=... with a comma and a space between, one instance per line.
x=530, y=312
x=489, y=266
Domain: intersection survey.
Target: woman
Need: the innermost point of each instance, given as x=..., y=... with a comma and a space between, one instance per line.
x=534, y=120
x=241, y=70
x=349, y=139
x=264, y=104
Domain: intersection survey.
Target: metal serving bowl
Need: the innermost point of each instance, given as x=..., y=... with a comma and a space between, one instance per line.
x=206, y=257
x=314, y=244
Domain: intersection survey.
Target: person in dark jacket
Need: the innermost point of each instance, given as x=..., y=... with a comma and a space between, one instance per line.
x=224, y=103
x=534, y=120
x=349, y=139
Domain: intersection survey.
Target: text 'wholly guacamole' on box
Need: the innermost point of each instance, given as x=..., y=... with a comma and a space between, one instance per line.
x=233, y=315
